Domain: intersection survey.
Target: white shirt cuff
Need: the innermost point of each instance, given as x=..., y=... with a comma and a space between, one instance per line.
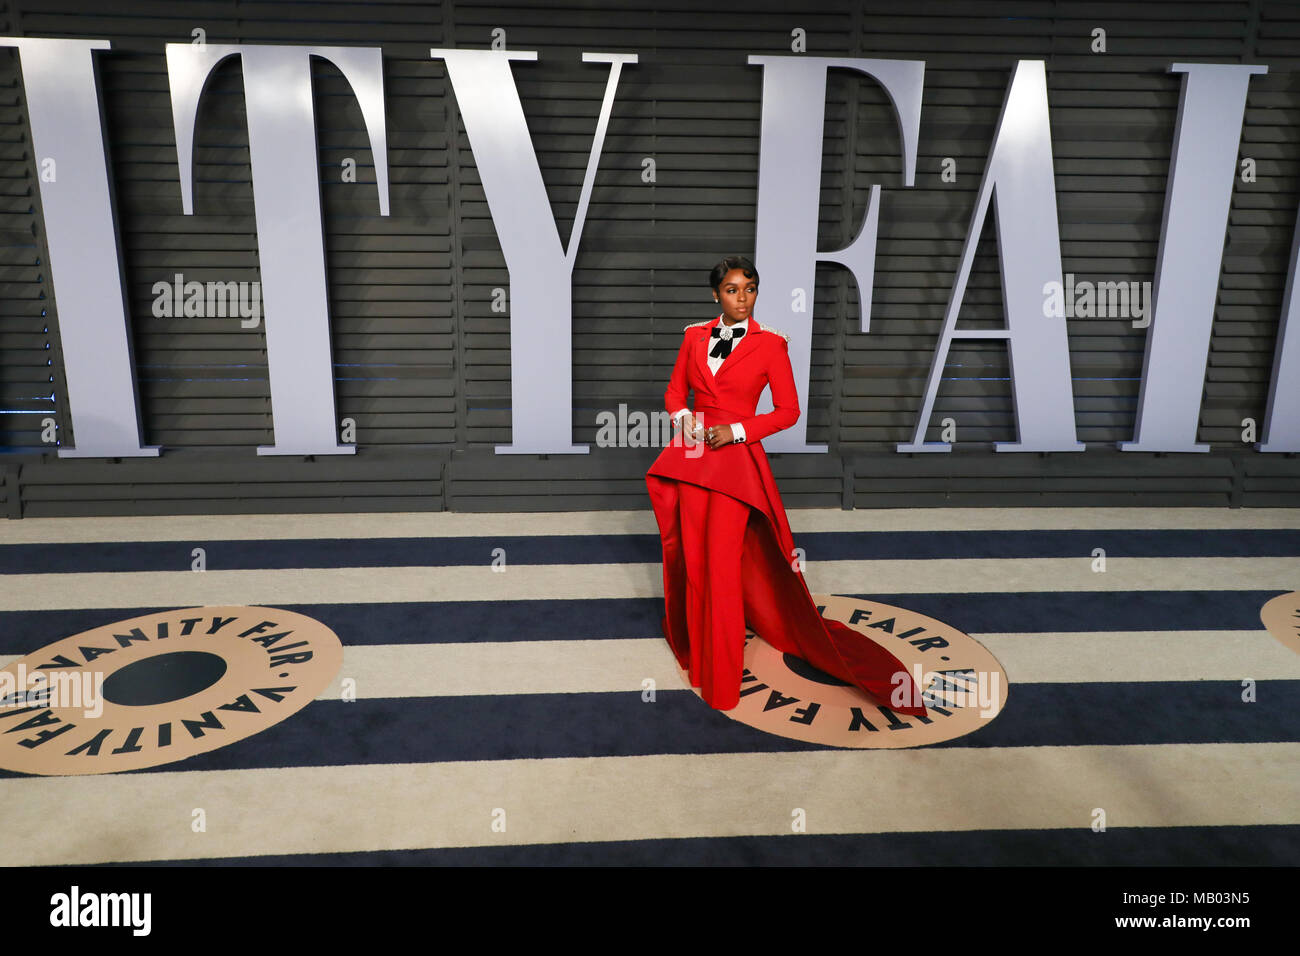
x=738, y=431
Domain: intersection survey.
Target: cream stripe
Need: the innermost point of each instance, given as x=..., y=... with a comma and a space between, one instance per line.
x=614, y=665
x=423, y=524
x=973, y=575
x=198, y=528
x=123, y=589
x=1101, y=656
x=622, y=665
x=572, y=800
x=1042, y=519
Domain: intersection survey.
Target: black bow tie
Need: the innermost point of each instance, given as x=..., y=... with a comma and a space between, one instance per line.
x=723, y=348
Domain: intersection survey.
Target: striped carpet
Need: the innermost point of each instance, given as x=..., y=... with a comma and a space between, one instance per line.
x=500, y=719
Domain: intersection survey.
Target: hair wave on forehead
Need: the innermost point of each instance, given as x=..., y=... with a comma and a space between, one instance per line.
x=719, y=272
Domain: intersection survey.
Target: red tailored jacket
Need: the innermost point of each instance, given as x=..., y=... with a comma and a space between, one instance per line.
x=760, y=359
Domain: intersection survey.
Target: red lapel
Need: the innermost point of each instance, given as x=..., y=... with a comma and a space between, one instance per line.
x=702, y=350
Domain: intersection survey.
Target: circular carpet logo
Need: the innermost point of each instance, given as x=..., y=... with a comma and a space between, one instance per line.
x=962, y=684
x=1282, y=618
x=159, y=688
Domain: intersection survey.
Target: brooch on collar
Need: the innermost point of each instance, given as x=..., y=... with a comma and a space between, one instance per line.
x=761, y=328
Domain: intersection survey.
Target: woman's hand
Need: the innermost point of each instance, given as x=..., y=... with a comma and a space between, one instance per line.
x=689, y=426
x=716, y=436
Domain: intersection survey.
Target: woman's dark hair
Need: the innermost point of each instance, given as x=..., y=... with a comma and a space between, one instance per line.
x=720, y=271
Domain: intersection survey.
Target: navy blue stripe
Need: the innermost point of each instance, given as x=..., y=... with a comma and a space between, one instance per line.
x=630, y=548
x=528, y=726
x=441, y=622
x=1118, y=846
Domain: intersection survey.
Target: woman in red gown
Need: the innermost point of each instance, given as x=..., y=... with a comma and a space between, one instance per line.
x=728, y=554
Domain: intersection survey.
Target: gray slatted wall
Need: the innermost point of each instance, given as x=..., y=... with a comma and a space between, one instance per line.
x=422, y=359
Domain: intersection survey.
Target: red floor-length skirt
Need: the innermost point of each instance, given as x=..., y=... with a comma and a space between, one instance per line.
x=728, y=561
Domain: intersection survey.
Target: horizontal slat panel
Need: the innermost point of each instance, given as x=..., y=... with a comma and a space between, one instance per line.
x=422, y=359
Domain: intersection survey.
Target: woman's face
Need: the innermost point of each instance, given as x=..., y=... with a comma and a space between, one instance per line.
x=736, y=294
